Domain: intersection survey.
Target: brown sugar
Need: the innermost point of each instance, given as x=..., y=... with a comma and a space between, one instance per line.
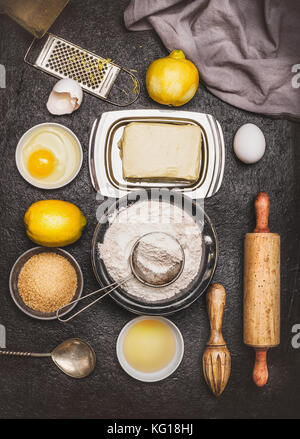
x=47, y=282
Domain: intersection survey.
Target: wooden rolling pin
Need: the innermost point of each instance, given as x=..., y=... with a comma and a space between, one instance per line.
x=216, y=358
x=262, y=289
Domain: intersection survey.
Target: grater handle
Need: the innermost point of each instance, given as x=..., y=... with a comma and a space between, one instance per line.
x=137, y=88
x=27, y=53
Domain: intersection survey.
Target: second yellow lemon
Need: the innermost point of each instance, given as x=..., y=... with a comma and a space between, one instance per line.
x=54, y=223
x=172, y=80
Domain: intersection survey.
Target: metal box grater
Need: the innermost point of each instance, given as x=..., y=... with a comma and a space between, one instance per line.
x=95, y=74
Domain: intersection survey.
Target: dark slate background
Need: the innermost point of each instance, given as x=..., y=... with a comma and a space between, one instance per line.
x=34, y=388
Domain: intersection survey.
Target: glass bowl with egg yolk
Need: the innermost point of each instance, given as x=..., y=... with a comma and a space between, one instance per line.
x=150, y=348
x=49, y=156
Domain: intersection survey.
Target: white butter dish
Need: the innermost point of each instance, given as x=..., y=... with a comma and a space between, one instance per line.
x=105, y=162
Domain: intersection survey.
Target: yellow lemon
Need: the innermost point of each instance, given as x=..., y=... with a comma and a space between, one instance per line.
x=54, y=223
x=172, y=80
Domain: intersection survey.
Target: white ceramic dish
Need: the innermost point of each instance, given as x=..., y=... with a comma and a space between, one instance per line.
x=161, y=374
x=106, y=165
x=24, y=172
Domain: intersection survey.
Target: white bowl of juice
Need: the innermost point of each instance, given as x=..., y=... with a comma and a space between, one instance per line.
x=49, y=156
x=150, y=348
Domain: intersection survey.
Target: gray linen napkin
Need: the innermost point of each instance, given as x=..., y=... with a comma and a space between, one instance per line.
x=247, y=51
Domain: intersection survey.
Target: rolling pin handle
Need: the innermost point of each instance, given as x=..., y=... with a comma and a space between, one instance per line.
x=262, y=208
x=260, y=372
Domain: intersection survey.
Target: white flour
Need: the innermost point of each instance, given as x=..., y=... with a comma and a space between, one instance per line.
x=158, y=258
x=146, y=217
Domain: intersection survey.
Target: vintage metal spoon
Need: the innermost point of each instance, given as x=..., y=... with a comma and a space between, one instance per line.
x=74, y=357
x=140, y=270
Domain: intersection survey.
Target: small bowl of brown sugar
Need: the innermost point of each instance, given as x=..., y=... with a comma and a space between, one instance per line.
x=43, y=280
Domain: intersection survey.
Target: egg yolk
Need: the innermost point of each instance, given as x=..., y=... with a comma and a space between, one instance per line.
x=41, y=163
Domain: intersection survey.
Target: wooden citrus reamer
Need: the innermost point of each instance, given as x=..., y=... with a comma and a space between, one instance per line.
x=262, y=289
x=216, y=358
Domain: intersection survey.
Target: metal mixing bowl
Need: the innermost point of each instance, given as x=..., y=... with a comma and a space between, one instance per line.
x=197, y=286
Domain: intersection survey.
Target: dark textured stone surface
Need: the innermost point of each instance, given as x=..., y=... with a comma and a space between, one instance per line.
x=34, y=388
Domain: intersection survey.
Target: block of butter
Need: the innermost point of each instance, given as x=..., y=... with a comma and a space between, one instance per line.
x=161, y=152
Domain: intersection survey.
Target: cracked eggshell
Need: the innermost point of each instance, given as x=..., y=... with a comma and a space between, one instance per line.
x=65, y=97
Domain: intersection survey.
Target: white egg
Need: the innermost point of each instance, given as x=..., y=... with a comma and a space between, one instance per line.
x=249, y=143
x=65, y=97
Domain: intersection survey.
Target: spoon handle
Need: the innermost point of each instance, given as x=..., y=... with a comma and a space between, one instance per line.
x=23, y=354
